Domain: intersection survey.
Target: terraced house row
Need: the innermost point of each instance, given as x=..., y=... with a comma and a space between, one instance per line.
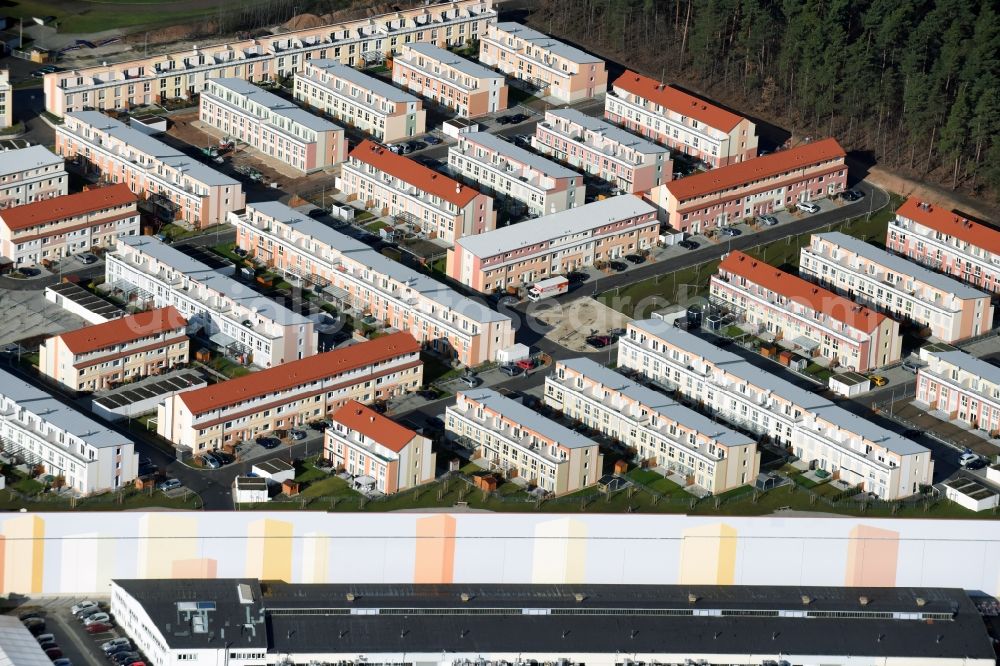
x=964, y=387
x=94, y=357
x=802, y=315
x=438, y=206
x=814, y=429
x=866, y=274
x=353, y=98
x=358, y=277
x=31, y=174
x=947, y=242
x=290, y=395
x=151, y=274
x=182, y=74
x=660, y=430
x=451, y=81
x=508, y=171
x=187, y=191
x=270, y=125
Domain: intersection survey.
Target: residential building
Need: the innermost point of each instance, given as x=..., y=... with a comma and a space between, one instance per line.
x=440, y=207
x=41, y=430
x=95, y=357
x=439, y=75
x=666, y=624
x=519, y=442
x=804, y=316
x=6, y=99
x=946, y=242
x=271, y=126
x=182, y=74
x=631, y=164
x=951, y=310
x=964, y=387
x=560, y=71
x=520, y=254
x=847, y=446
x=67, y=225
x=762, y=185
x=368, y=283
x=184, y=190
x=231, y=315
x=31, y=174
x=688, y=124
x=364, y=102
x=290, y=395
x=661, y=431
x=539, y=185
x=366, y=443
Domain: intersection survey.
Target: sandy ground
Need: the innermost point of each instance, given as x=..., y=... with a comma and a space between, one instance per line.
x=931, y=193
x=573, y=322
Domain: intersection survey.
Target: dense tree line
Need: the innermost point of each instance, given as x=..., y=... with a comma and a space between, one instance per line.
x=915, y=82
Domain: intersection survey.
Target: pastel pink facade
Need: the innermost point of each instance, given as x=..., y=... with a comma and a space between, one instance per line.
x=867, y=274
x=558, y=70
x=729, y=194
x=962, y=386
x=947, y=242
x=468, y=88
x=521, y=254
x=182, y=74
x=674, y=118
x=271, y=126
x=630, y=163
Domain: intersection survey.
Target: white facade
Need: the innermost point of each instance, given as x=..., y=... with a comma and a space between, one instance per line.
x=158, y=275
x=44, y=431
x=814, y=429
x=31, y=174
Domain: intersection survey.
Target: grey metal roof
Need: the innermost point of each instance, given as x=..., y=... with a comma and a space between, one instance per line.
x=364, y=81
x=806, y=399
x=32, y=157
x=901, y=266
x=656, y=401
x=169, y=255
x=519, y=154
x=63, y=417
x=154, y=148
x=529, y=418
x=613, y=132
x=358, y=251
x=543, y=41
x=446, y=57
x=277, y=105
x=17, y=646
x=735, y=620
x=975, y=366
x=555, y=226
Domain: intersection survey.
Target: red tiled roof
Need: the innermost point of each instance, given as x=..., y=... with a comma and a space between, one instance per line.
x=801, y=291
x=415, y=174
x=758, y=168
x=947, y=222
x=126, y=329
x=677, y=101
x=298, y=372
x=374, y=426
x=69, y=205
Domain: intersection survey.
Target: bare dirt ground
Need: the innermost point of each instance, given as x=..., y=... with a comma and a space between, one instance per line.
x=931, y=193
x=573, y=322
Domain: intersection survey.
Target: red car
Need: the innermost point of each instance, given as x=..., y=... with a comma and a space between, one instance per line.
x=99, y=627
x=526, y=364
x=53, y=653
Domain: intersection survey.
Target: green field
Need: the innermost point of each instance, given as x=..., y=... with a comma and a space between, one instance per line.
x=89, y=16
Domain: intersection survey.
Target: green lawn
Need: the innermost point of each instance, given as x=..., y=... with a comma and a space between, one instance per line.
x=228, y=368
x=818, y=372
x=439, y=265
x=363, y=216
x=376, y=226
x=175, y=232
x=27, y=486
x=437, y=370
x=331, y=486
x=88, y=17
x=654, y=481
x=517, y=96
x=226, y=250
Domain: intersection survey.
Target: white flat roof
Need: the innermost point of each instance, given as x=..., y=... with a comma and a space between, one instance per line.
x=446, y=57
x=543, y=41
x=518, y=154
x=613, y=132
x=555, y=226
x=276, y=105
x=363, y=81
x=23, y=159
x=529, y=418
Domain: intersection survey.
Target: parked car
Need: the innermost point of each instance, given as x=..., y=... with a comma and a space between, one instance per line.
x=45, y=645
x=808, y=207
x=320, y=424
x=87, y=258
x=30, y=271
x=635, y=258
x=132, y=660
x=396, y=148
x=878, y=380
x=268, y=442
x=852, y=195
x=41, y=638
x=169, y=484
x=432, y=140
x=123, y=658
x=688, y=245
x=97, y=617
x=599, y=341
x=87, y=612
x=729, y=231
x=416, y=145
x=967, y=458
x=577, y=276
x=53, y=653
x=976, y=464
x=223, y=457
x=510, y=370
x=117, y=649
x=526, y=364
x=517, y=118
x=62, y=661
x=99, y=627
x=768, y=220
x=35, y=625
x=470, y=380
x=297, y=434
x=210, y=461
x=911, y=366
x=504, y=120
x=115, y=642
x=30, y=615
x=618, y=266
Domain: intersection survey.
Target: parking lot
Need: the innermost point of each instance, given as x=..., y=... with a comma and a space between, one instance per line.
x=68, y=633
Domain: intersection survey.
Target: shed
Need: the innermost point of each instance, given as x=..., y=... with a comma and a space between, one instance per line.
x=274, y=471
x=290, y=488
x=970, y=494
x=513, y=353
x=487, y=482
x=457, y=126
x=149, y=124
x=993, y=473
x=766, y=481
x=849, y=384
x=248, y=489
